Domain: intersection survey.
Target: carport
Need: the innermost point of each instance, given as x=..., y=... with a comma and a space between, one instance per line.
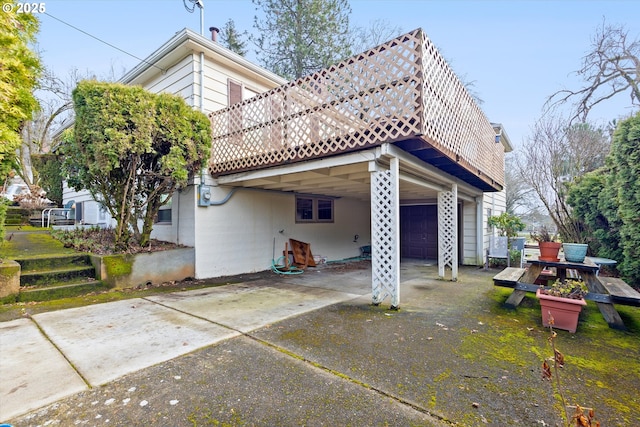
x=393, y=126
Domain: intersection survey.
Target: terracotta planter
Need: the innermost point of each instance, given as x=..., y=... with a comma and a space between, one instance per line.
x=575, y=252
x=549, y=251
x=565, y=311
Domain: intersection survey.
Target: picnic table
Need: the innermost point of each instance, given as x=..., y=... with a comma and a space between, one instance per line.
x=604, y=291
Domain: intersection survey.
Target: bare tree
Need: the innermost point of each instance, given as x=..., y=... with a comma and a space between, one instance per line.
x=553, y=156
x=379, y=31
x=611, y=67
x=54, y=95
x=518, y=192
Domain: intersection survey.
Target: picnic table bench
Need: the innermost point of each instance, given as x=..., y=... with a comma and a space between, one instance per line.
x=604, y=291
x=620, y=292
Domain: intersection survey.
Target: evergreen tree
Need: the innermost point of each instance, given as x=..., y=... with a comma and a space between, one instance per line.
x=624, y=166
x=299, y=37
x=232, y=39
x=131, y=148
x=594, y=205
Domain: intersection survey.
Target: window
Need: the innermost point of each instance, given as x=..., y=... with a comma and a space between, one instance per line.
x=164, y=213
x=234, y=92
x=234, y=96
x=314, y=209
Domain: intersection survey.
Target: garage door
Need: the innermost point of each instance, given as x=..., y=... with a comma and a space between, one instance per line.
x=419, y=232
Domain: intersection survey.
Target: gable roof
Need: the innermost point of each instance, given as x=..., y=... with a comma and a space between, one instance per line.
x=187, y=41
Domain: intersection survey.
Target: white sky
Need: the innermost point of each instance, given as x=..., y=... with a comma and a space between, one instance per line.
x=516, y=52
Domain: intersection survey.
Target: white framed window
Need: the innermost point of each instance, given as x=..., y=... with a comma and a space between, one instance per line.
x=164, y=213
x=314, y=209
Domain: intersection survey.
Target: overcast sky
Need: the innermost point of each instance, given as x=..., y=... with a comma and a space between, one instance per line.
x=516, y=52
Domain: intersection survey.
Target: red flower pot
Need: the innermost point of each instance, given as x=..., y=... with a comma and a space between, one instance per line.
x=565, y=311
x=549, y=251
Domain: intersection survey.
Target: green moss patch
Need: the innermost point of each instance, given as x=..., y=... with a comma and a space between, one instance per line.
x=118, y=265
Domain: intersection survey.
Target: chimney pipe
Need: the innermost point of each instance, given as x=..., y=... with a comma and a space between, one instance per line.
x=214, y=33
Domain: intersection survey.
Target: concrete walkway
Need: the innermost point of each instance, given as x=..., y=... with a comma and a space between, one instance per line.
x=287, y=351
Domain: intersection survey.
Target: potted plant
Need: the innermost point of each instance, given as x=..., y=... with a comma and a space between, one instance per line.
x=548, y=244
x=575, y=252
x=563, y=301
x=509, y=226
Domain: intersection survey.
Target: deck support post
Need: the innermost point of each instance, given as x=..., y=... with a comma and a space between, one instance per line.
x=385, y=233
x=448, y=232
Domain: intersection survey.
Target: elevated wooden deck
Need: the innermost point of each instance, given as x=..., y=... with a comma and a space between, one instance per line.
x=402, y=92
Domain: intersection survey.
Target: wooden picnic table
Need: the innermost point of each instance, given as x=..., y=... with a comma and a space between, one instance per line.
x=587, y=271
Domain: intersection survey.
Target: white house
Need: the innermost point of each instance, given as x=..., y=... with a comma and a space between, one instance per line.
x=386, y=149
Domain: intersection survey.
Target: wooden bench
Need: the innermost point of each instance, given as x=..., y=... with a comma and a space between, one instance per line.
x=510, y=278
x=620, y=292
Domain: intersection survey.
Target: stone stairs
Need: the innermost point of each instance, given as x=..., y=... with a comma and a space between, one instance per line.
x=16, y=216
x=54, y=277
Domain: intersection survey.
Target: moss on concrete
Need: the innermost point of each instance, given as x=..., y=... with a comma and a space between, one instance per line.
x=594, y=351
x=118, y=265
x=23, y=244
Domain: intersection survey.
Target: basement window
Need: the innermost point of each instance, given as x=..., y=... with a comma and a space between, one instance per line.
x=164, y=213
x=314, y=209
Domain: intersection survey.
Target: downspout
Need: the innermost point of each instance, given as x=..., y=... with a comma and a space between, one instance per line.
x=479, y=230
x=202, y=82
x=178, y=217
x=201, y=5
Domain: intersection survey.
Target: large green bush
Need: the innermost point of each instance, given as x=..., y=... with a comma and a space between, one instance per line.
x=131, y=148
x=607, y=202
x=624, y=180
x=595, y=207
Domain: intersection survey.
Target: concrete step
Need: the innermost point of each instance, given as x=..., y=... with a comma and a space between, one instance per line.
x=61, y=290
x=53, y=262
x=52, y=276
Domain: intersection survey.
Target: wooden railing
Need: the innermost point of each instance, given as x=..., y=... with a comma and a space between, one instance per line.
x=400, y=90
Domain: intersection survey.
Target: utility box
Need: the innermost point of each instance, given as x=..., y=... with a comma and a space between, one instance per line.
x=204, y=195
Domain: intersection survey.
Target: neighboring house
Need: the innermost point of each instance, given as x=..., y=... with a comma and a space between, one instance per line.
x=385, y=149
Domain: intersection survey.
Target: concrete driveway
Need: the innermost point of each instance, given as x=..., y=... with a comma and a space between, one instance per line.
x=311, y=350
x=57, y=354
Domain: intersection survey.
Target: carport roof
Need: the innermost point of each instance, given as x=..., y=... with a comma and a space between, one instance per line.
x=348, y=175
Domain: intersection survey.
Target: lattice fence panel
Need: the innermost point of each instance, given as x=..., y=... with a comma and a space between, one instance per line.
x=384, y=238
x=447, y=232
x=453, y=121
x=371, y=98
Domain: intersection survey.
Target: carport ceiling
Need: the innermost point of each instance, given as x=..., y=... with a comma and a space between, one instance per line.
x=352, y=181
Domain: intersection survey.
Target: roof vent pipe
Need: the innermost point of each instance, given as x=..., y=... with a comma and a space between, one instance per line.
x=214, y=33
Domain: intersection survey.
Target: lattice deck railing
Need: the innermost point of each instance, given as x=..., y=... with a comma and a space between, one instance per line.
x=400, y=90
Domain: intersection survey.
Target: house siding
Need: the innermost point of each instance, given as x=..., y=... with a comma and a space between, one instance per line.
x=178, y=80
x=216, y=79
x=469, y=232
x=497, y=202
